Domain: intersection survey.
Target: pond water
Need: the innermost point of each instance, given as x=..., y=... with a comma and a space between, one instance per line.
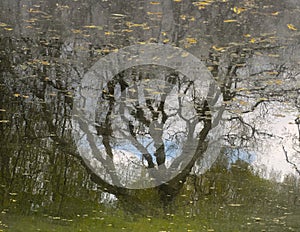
x=166, y=115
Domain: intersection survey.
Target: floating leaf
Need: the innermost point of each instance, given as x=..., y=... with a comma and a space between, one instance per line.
x=17, y=95
x=183, y=17
x=202, y=4
x=94, y=27
x=273, y=55
x=192, y=19
x=218, y=49
x=191, y=40
x=119, y=15
x=263, y=99
x=127, y=30
x=3, y=25
x=76, y=31
x=108, y=33
x=4, y=121
x=184, y=54
x=154, y=3
x=279, y=115
x=243, y=103
x=275, y=13
x=43, y=62
x=8, y=28
x=278, y=82
x=235, y=205
x=292, y=27
x=238, y=10
x=230, y=20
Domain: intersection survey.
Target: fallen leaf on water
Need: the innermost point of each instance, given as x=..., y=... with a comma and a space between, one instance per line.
x=278, y=82
x=238, y=10
x=119, y=15
x=93, y=27
x=229, y=20
x=292, y=27
x=43, y=62
x=218, y=48
x=185, y=54
x=76, y=31
x=279, y=115
x=234, y=205
x=191, y=40
x=275, y=13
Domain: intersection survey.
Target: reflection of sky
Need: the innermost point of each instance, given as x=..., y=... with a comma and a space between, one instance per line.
x=270, y=156
x=172, y=149
x=239, y=154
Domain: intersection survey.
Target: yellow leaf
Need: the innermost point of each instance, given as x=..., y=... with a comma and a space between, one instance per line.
x=4, y=121
x=2, y=110
x=292, y=27
x=154, y=13
x=273, y=55
x=247, y=35
x=17, y=95
x=229, y=20
x=185, y=54
x=278, y=82
x=8, y=28
x=272, y=73
x=234, y=205
x=76, y=31
x=43, y=62
x=127, y=30
x=191, y=40
x=263, y=99
x=218, y=49
x=253, y=40
x=238, y=10
x=93, y=27
x=183, y=17
x=241, y=89
x=177, y=0
x=192, y=19
x=155, y=3
x=243, y=103
x=119, y=15
x=3, y=25
x=275, y=13
x=166, y=40
x=279, y=115
x=108, y=33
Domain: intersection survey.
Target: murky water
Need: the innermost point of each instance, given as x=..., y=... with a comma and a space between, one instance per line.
x=169, y=115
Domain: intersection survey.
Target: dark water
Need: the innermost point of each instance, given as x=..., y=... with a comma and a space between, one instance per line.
x=231, y=161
